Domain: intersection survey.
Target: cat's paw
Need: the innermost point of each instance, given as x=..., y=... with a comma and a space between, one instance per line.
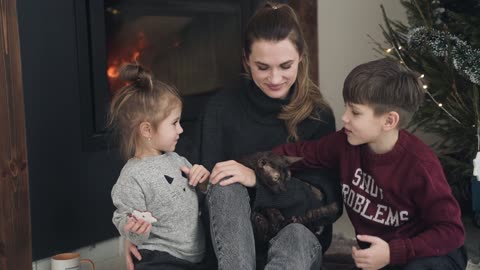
x=261, y=226
x=275, y=216
x=276, y=219
x=296, y=219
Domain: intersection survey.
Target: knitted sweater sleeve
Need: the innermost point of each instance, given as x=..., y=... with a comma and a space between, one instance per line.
x=127, y=195
x=320, y=153
x=440, y=213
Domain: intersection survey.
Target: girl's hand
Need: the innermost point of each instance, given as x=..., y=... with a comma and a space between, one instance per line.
x=375, y=257
x=196, y=174
x=129, y=250
x=232, y=172
x=138, y=226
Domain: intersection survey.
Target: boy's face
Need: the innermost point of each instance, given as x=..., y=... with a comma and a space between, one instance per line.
x=361, y=125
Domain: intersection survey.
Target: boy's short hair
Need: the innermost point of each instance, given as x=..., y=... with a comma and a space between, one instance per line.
x=385, y=85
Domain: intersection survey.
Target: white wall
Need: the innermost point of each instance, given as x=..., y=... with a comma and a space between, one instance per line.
x=343, y=26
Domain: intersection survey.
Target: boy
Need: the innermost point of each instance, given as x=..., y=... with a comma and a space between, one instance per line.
x=393, y=185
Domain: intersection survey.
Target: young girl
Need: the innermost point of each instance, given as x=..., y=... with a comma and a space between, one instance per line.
x=146, y=116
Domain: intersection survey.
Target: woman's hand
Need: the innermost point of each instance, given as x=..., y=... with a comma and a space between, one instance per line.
x=130, y=248
x=196, y=174
x=232, y=172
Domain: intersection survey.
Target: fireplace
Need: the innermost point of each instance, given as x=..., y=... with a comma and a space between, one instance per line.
x=192, y=45
x=69, y=48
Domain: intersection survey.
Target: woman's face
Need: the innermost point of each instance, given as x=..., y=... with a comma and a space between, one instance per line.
x=274, y=66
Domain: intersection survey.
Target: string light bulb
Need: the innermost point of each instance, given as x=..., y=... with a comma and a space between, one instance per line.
x=440, y=104
x=422, y=76
x=389, y=50
x=425, y=86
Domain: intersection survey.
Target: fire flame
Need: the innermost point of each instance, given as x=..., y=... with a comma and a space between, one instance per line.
x=117, y=58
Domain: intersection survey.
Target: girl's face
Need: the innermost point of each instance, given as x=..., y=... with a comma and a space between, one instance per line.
x=166, y=136
x=274, y=66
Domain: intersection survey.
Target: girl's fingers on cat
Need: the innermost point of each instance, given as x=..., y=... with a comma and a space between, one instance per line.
x=204, y=177
x=185, y=170
x=198, y=178
x=198, y=173
x=193, y=175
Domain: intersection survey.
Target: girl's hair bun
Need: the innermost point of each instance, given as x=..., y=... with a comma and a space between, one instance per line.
x=137, y=75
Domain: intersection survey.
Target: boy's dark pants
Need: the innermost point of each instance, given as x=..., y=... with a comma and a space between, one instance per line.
x=455, y=260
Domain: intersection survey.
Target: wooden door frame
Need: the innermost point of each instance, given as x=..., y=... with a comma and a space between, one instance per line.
x=307, y=11
x=15, y=230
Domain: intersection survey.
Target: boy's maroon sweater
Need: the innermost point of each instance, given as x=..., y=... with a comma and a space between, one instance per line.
x=401, y=196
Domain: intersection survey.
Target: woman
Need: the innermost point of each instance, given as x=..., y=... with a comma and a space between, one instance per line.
x=276, y=104
x=279, y=104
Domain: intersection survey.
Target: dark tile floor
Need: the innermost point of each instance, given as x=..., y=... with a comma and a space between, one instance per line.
x=472, y=240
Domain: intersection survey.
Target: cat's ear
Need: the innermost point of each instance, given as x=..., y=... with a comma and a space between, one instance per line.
x=262, y=162
x=292, y=160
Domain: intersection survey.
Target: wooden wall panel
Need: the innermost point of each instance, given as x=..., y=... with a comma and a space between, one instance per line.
x=15, y=233
x=307, y=14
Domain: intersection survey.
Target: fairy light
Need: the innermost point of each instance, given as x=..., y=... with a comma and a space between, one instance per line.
x=400, y=47
x=425, y=86
x=389, y=50
x=440, y=105
x=422, y=76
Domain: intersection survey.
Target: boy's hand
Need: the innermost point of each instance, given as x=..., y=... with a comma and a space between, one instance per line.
x=196, y=174
x=374, y=257
x=138, y=226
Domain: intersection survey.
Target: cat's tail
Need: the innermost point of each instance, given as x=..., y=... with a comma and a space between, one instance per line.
x=314, y=215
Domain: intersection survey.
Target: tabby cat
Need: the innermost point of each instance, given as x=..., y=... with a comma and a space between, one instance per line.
x=281, y=199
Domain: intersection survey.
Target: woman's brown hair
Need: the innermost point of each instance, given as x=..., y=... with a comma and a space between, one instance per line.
x=277, y=22
x=142, y=100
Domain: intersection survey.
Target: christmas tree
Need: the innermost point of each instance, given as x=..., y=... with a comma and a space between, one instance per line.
x=441, y=41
